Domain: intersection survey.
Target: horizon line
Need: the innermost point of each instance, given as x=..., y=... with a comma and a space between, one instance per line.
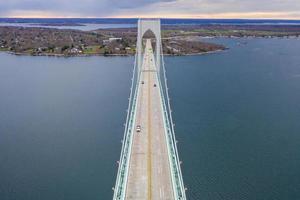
x=192, y=18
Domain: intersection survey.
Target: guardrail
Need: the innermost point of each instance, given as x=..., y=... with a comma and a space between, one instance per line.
x=174, y=158
x=179, y=190
x=122, y=176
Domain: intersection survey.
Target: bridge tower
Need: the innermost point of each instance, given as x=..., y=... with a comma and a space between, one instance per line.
x=143, y=26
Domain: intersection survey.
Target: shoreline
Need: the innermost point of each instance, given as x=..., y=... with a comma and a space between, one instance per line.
x=109, y=55
x=177, y=40
x=165, y=54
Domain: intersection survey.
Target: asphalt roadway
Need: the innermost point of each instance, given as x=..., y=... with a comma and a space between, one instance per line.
x=149, y=176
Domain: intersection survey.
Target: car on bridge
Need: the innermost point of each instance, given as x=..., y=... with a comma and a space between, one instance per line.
x=138, y=128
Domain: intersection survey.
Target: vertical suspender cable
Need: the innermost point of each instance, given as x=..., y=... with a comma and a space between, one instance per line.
x=126, y=126
x=171, y=118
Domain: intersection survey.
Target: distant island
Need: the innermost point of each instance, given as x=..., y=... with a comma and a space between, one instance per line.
x=59, y=24
x=177, y=39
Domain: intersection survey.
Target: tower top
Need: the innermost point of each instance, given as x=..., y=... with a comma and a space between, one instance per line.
x=145, y=24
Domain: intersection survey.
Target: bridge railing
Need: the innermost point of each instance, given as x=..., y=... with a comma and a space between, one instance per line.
x=122, y=175
x=171, y=139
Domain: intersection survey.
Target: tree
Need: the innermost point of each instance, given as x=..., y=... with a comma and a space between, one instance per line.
x=65, y=47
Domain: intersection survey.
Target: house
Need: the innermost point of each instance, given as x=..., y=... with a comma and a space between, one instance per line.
x=75, y=51
x=105, y=42
x=114, y=39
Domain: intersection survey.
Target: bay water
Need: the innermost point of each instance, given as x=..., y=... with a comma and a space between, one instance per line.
x=237, y=116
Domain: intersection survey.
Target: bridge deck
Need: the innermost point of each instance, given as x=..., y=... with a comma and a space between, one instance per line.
x=149, y=174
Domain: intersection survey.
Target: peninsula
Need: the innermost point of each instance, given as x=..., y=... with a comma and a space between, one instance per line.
x=176, y=39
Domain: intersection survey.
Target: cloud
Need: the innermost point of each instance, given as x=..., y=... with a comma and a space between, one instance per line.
x=89, y=8
x=219, y=9
x=150, y=8
x=57, y=7
x=136, y=3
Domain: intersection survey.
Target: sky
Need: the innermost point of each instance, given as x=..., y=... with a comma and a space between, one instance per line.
x=250, y=9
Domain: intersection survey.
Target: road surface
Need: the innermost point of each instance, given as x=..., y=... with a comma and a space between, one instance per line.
x=149, y=176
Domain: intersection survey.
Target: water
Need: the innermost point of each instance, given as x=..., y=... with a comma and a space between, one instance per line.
x=61, y=123
x=237, y=119
x=163, y=21
x=88, y=24
x=82, y=27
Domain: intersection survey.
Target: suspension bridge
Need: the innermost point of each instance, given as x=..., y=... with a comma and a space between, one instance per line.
x=149, y=166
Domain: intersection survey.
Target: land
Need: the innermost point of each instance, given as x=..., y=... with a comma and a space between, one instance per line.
x=59, y=24
x=176, y=39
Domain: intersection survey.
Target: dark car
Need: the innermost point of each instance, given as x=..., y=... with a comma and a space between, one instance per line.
x=138, y=128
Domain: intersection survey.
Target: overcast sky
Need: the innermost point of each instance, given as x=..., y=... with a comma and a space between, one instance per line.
x=280, y=9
